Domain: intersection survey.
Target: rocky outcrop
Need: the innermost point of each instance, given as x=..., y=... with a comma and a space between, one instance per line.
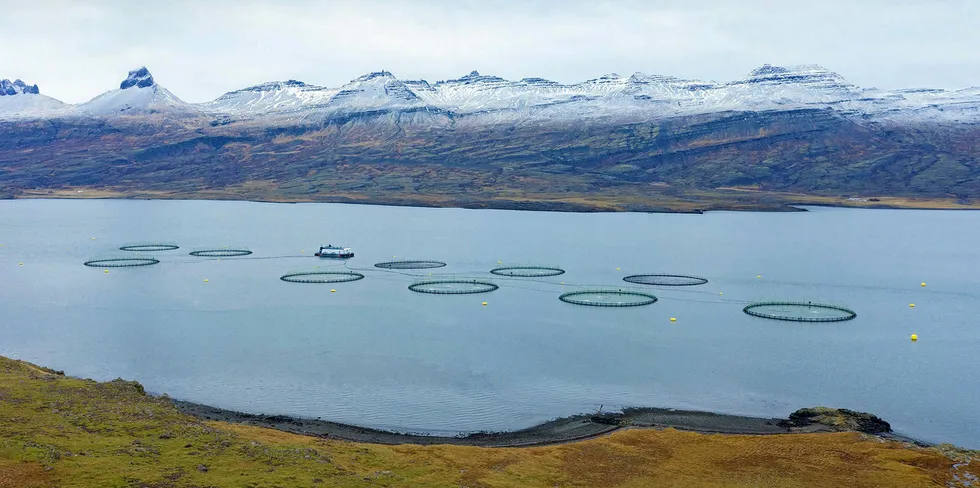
x=17, y=87
x=840, y=419
x=140, y=78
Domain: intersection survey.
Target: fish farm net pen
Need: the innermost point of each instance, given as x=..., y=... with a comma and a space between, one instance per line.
x=665, y=280
x=410, y=264
x=121, y=262
x=149, y=247
x=799, y=311
x=453, y=287
x=322, y=277
x=608, y=298
x=220, y=253
x=527, y=271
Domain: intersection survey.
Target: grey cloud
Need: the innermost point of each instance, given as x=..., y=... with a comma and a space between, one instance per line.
x=77, y=49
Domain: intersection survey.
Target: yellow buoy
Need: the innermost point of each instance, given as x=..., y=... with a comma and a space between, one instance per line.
x=673, y=319
x=914, y=337
x=333, y=291
x=563, y=282
x=205, y=280
x=93, y=238
x=923, y=283
x=106, y=271
x=617, y=269
x=20, y=264
x=720, y=293
x=758, y=276
x=301, y=250
x=484, y=304
x=500, y=262
x=911, y=305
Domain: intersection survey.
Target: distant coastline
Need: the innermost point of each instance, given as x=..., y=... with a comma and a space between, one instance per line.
x=725, y=199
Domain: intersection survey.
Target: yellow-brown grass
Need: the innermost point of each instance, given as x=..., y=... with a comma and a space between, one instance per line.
x=65, y=432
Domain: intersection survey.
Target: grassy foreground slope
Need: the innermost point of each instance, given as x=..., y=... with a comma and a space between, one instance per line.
x=66, y=432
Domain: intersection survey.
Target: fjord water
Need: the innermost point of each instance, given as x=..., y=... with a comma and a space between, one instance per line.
x=376, y=354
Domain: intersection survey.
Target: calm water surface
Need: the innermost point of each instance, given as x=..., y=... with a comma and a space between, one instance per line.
x=376, y=354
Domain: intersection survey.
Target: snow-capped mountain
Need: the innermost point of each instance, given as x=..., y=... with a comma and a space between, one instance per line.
x=636, y=96
x=271, y=97
x=373, y=91
x=18, y=100
x=491, y=99
x=800, y=129
x=137, y=94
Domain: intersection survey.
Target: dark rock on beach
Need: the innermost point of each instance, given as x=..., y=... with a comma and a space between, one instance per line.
x=840, y=419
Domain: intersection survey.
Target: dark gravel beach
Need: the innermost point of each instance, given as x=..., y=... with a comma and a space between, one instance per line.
x=565, y=429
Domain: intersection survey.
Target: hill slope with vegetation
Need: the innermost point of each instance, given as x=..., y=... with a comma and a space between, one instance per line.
x=67, y=432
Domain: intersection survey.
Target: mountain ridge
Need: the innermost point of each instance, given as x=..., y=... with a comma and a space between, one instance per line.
x=763, y=88
x=651, y=141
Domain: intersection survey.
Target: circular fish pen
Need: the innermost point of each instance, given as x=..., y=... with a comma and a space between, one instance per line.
x=608, y=298
x=220, y=253
x=322, y=277
x=800, y=311
x=121, y=262
x=410, y=264
x=665, y=280
x=527, y=271
x=149, y=248
x=453, y=287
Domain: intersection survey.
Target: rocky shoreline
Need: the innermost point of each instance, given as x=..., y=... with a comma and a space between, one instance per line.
x=568, y=429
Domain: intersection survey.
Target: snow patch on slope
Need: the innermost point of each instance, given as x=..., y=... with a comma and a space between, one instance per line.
x=272, y=96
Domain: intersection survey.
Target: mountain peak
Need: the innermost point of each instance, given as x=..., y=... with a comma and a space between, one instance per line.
x=767, y=69
x=812, y=75
x=772, y=71
x=374, y=75
x=274, y=86
x=140, y=78
x=474, y=77
x=17, y=87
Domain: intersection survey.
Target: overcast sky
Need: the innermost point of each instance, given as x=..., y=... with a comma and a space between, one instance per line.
x=76, y=49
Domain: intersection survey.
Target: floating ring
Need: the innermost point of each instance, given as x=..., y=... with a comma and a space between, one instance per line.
x=322, y=277
x=527, y=271
x=121, y=262
x=149, y=247
x=666, y=280
x=220, y=253
x=842, y=313
x=453, y=287
x=410, y=264
x=602, y=298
